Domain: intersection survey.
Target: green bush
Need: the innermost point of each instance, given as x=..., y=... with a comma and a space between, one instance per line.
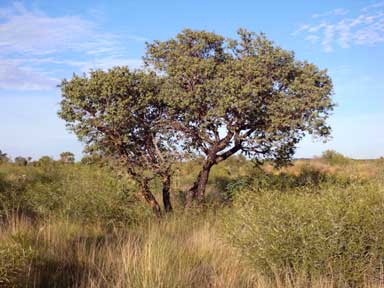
x=14, y=182
x=338, y=233
x=83, y=193
x=332, y=157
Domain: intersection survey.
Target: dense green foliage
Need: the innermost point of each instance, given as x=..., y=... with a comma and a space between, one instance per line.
x=256, y=91
x=114, y=113
x=117, y=114
x=203, y=94
x=243, y=95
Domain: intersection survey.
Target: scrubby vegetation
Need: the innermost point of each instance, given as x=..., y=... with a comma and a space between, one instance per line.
x=313, y=224
x=332, y=231
x=184, y=130
x=82, y=193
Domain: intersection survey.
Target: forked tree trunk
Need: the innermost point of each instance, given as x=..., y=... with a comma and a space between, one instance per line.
x=197, y=191
x=150, y=199
x=166, y=193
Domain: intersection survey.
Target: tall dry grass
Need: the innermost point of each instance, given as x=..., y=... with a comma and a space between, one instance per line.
x=183, y=250
x=174, y=253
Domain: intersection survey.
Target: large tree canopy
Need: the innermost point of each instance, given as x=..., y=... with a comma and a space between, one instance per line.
x=199, y=93
x=117, y=114
x=245, y=95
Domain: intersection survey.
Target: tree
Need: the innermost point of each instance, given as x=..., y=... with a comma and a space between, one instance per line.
x=3, y=157
x=21, y=161
x=45, y=160
x=117, y=114
x=67, y=157
x=334, y=158
x=239, y=96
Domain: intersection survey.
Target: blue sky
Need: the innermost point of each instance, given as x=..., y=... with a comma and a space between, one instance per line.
x=42, y=42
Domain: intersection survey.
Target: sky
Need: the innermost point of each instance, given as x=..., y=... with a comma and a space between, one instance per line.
x=43, y=42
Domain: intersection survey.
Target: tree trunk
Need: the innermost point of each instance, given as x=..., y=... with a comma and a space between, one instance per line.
x=166, y=193
x=150, y=199
x=197, y=191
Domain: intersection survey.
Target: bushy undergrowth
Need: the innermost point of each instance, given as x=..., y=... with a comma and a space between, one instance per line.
x=308, y=179
x=338, y=233
x=78, y=192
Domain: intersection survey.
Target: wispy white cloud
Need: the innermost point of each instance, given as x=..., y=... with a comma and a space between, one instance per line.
x=338, y=28
x=109, y=62
x=334, y=12
x=329, y=32
x=35, y=33
x=30, y=40
x=373, y=6
x=312, y=38
x=14, y=76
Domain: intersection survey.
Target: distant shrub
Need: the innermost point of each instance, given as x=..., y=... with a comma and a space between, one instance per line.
x=67, y=157
x=332, y=157
x=3, y=157
x=308, y=180
x=21, y=161
x=13, y=186
x=44, y=161
x=337, y=232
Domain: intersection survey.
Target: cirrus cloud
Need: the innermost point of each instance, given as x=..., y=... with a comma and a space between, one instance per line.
x=31, y=42
x=335, y=29
x=14, y=75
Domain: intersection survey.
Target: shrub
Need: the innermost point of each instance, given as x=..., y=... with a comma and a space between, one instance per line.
x=86, y=194
x=21, y=161
x=336, y=233
x=332, y=157
x=13, y=185
x=3, y=157
x=309, y=179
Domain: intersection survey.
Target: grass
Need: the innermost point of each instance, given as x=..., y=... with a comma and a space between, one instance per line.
x=310, y=225
x=170, y=254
